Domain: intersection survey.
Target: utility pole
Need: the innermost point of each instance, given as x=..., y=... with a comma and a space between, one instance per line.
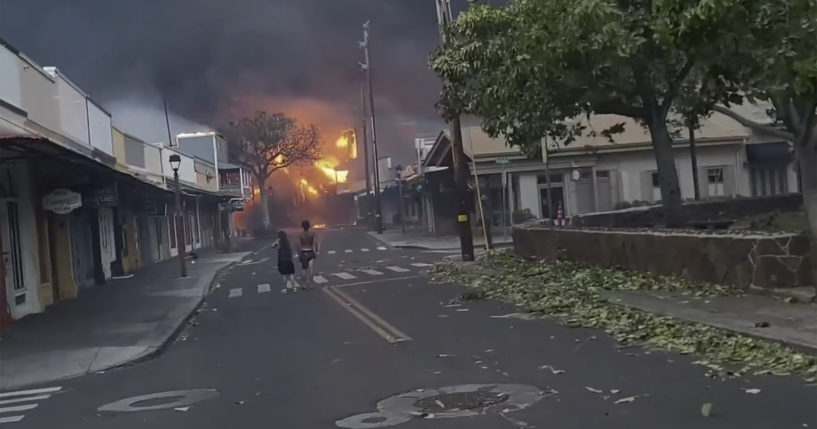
x=365, y=139
x=444, y=18
x=366, y=66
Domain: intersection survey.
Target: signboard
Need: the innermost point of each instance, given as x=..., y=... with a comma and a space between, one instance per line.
x=107, y=196
x=62, y=201
x=237, y=204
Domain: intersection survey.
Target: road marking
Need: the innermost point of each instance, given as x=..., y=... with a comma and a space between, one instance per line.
x=235, y=292
x=397, y=269
x=11, y=419
x=344, y=276
x=26, y=399
x=421, y=264
x=381, y=248
x=363, y=249
x=372, y=272
x=17, y=408
x=264, y=288
x=251, y=262
x=347, y=251
x=30, y=392
x=319, y=279
x=391, y=281
x=373, y=321
x=331, y=252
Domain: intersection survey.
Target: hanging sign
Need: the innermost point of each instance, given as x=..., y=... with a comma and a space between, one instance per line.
x=62, y=201
x=107, y=196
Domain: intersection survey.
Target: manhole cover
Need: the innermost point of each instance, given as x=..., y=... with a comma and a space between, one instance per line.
x=463, y=400
x=460, y=401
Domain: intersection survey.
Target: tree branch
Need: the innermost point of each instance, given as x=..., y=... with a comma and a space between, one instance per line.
x=675, y=85
x=756, y=126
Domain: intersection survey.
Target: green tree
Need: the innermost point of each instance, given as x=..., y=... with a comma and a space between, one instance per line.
x=781, y=70
x=265, y=143
x=529, y=68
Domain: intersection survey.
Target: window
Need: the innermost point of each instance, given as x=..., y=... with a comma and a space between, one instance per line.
x=715, y=185
x=656, y=187
x=554, y=178
x=603, y=174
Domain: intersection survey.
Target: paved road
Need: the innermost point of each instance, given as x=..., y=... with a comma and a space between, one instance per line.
x=320, y=356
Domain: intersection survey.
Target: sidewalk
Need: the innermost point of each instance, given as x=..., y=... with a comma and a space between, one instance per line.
x=108, y=325
x=758, y=316
x=413, y=239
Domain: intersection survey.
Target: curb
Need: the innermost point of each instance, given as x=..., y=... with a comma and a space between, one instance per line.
x=170, y=338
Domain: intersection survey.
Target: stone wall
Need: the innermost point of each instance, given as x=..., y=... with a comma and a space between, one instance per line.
x=697, y=211
x=745, y=261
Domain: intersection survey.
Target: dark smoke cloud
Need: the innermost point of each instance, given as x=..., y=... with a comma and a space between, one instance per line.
x=215, y=60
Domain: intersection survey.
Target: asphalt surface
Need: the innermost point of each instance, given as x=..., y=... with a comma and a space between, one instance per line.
x=306, y=361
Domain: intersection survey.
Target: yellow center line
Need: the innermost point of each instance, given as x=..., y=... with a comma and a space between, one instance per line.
x=373, y=321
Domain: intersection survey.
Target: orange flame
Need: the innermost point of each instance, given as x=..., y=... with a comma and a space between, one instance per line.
x=327, y=166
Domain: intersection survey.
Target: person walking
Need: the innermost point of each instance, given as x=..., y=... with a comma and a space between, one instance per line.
x=307, y=251
x=285, y=265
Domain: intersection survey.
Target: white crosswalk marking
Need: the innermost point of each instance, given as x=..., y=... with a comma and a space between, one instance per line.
x=22, y=400
x=319, y=279
x=30, y=392
x=331, y=252
x=381, y=248
x=420, y=264
x=363, y=249
x=347, y=251
x=264, y=288
x=397, y=269
x=372, y=272
x=26, y=399
x=344, y=276
x=17, y=408
x=235, y=293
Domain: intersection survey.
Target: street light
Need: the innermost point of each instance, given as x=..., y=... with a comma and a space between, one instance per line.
x=175, y=163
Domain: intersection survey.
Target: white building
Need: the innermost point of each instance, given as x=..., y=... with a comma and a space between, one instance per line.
x=594, y=174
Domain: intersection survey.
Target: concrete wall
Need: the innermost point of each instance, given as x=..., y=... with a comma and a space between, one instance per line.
x=73, y=109
x=201, y=146
x=39, y=95
x=745, y=261
x=100, y=128
x=206, y=175
x=529, y=194
x=10, y=84
x=187, y=168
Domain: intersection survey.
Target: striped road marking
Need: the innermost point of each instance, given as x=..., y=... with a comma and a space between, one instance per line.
x=331, y=252
x=373, y=321
x=235, y=293
x=319, y=279
x=14, y=402
x=363, y=249
x=372, y=272
x=264, y=288
x=397, y=269
x=420, y=264
x=381, y=248
x=344, y=276
x=347, y=251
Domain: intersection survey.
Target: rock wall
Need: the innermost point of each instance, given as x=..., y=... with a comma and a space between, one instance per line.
x=745, y=261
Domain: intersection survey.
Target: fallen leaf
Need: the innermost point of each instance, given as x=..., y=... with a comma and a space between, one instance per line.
x=706, y=409
x=752, y=391
x=182, y=409
x=615, y=391
x=593, y=389
x=625, y=400
x=552, y=369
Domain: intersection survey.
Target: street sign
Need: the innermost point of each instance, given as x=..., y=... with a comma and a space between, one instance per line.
x=62, y=201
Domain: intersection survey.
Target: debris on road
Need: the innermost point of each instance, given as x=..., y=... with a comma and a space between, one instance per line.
x=625, y=400
x=182, y=409
x=752, y=391
x=593, y=389
x=706, y=409
x=552, y=369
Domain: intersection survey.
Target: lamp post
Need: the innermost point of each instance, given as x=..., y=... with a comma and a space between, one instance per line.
x=398, y=171
x=175, y=162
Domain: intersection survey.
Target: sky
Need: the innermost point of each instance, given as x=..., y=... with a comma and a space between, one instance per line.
x=217, y=60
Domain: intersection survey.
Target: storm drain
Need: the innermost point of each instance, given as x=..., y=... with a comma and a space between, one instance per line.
x=464, y=400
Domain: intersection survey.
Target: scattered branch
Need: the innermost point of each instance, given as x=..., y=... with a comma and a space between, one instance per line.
x=757, y=126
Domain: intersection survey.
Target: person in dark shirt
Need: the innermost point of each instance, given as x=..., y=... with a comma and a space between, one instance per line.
x=285, y=265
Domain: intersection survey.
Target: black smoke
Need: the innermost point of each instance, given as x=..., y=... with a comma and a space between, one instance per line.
x=214, y=60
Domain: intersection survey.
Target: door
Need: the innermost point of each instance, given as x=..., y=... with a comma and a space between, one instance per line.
x=107, y=243
x=81, y=249
x=556, y=197
x=12, y=252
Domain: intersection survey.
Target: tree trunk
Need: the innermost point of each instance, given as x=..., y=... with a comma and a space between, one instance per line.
x=667, y=174
x=262, y=193
x=807, y=159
